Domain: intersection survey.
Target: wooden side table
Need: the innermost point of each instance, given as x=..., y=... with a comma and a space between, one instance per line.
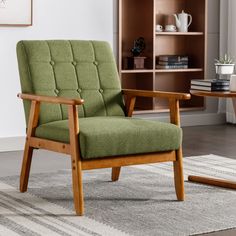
x=207, y=180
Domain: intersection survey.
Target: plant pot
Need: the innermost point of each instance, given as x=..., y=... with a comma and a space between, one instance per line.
x=135, y=62
x=224, y=69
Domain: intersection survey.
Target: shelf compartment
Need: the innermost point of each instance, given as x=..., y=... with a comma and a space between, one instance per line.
x=182, y=45
x=166, y=8
x=177, y=82
x=136, y=21
x=180, y=33
x=178, y=70
x=140, y=81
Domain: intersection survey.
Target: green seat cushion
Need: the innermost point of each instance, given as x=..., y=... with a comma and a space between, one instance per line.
x=114, y=136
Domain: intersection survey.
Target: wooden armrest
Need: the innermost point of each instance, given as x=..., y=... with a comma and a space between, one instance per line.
x=160, y=94
x=50, y=99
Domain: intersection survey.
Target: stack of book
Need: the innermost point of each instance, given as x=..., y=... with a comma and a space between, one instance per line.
x=172, y=62
x=210, y=85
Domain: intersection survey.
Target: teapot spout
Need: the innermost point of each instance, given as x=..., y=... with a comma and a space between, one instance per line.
x=177, y=21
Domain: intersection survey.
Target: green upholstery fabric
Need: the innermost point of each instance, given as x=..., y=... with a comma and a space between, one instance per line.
x=111, y=136
x=86, y=69
x=73, y=69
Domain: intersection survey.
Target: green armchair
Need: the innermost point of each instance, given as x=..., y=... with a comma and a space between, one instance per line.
x=74, y=104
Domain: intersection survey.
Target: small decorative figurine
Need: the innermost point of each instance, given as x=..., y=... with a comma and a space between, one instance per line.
x=136, y=61
x=139, y=46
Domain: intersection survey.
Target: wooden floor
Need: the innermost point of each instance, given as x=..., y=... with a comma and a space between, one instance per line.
x=201, y=140
x=219, y=140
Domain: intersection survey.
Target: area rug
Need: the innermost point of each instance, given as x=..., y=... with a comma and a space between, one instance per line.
x=142, y=202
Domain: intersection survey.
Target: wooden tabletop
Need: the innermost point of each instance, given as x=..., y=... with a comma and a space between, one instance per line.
x=201, y=93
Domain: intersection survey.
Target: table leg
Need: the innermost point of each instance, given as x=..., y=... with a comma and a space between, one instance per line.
x=213, y=181
x=234, y=104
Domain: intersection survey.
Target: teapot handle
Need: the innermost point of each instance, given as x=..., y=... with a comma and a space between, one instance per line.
x=190, y=21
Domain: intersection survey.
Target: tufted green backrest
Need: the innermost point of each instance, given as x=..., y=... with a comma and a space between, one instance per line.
x=73, y=69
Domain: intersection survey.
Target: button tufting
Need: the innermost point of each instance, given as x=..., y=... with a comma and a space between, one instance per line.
x=52, y=63
x=79, y=90
x=95, y=63
x=56, y=91
x=74, y=63
x=101, y=90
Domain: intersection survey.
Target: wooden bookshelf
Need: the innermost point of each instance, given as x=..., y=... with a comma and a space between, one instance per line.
x=138, y=18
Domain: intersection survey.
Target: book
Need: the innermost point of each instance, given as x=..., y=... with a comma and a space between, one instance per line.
x=173, y=58
x=210, y=88
x=214, y=82
x=171, y=66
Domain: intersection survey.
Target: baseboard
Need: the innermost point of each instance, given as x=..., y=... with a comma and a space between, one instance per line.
x=204, y=119
x=191, y=119
x=12, y=144
x=230, y=117
x=17, y=143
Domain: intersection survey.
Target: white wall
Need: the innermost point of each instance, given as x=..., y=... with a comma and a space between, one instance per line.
x=52, y=19
x=213, y=47
x=227, y=45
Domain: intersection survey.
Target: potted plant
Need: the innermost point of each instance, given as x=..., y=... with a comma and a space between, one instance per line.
x=224, y=65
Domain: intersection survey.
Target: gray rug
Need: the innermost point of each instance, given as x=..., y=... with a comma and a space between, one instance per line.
x=142, y=202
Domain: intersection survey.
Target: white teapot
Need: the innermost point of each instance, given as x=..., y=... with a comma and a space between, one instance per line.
x=182, y=21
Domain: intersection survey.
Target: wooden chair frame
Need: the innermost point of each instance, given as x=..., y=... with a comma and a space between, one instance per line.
x=72, y=149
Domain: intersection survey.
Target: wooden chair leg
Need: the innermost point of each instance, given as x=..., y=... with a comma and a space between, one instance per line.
x=76, y=161
x=115, y=173
x=28, y=151
x=25, y=169
x=77, y=187
x=178, y=175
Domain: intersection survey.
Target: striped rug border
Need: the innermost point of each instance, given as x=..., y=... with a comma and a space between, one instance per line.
x=26, y=214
